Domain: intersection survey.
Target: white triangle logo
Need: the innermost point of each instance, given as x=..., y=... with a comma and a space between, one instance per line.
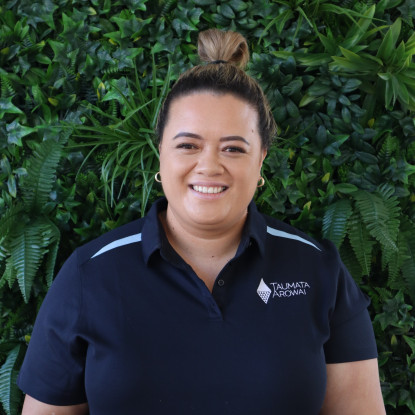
x=263, y=291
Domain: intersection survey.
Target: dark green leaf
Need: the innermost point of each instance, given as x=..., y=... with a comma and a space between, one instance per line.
x=226, y=11
x=293, y=87
x=9, y=392
x=347, y=117
x=16, y=131
x=335, y=221
x=7, y=107
x=366, y=157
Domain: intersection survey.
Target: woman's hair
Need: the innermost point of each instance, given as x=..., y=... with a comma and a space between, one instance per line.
x=226, y=55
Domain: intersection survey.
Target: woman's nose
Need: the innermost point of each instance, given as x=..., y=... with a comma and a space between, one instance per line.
x=209, y=163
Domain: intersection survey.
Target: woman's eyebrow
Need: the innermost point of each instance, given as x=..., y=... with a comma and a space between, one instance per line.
x=186, y=134
x=234, y=138
x=222, y=139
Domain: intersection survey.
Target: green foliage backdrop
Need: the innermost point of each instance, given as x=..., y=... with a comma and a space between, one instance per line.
x=81, y=83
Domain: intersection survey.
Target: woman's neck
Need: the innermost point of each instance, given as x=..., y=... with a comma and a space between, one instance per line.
x=202, y=242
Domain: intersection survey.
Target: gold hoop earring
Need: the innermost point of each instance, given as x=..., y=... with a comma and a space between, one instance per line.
x=157, y=177
x=261, y=182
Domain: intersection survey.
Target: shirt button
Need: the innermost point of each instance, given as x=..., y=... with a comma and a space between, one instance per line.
x=221, y=283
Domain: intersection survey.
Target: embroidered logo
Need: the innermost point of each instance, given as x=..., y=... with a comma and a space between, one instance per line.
x=263, y=291
x=288, y=289
x=282, y=290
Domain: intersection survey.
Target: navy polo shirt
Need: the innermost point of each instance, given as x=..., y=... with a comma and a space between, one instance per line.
x=129, y=327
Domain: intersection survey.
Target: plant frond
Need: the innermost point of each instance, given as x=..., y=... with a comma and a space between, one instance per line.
x=3, y=250
x=389, y=147
x=3, y=282
x=168, y=5
x=7, y=89
x=50, y=239
x=70, y=81
x=361, y=242
x=160, y=99
x=8, y=221
x=51, y=262
x=394, y=265
x=129, y=138
x=379, y=217
x=115, y=69
x=350, y=260
x=383, y=293
x=10, y=274
x=113, y=108
x=335, y=221
x=9, y=392
x=41, y=171
x=26, y=255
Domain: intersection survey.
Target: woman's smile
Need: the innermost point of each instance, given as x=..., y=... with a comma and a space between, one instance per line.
x=208, y=189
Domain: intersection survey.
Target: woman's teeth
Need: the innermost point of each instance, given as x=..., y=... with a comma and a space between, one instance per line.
x=205, y=189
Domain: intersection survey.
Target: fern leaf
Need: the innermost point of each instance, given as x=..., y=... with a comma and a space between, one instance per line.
x=70, y=79
x=3, y=250
x=50, y=239
x=335, y=221
x=394, y=264
x=167, y=7
x=3, y=282
x=9, y=274
x=26, y=255
x=27, y=41
x=376, y=215
x=40, y=177
x=9, y=392
x=394, y=213
x=361, y=242
x=113, y=108
x=7, y=89
x=112, y=70
x=389, y=146
x=50, y=263
x=384, y=294
x=350, y=260
x=8, y=220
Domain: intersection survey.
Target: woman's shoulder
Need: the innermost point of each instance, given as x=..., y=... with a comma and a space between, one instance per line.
x=122, y=235
x=282, y=232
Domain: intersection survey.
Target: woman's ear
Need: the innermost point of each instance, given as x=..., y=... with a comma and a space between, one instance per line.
x=263, y=155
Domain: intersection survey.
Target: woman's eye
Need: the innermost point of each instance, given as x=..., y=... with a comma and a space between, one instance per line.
x=234, y=150
x=186, y=146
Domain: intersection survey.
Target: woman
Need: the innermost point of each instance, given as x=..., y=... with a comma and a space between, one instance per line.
x=205, y=306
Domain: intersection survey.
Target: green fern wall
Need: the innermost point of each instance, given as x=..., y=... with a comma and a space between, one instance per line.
x=81, y=84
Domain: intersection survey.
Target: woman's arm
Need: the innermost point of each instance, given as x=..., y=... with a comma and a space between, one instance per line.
x=353, y=388
x=34, y=407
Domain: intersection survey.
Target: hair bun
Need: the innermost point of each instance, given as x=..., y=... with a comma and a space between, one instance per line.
x=217, y=45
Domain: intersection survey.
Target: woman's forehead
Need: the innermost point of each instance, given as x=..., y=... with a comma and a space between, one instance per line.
x=210, y=104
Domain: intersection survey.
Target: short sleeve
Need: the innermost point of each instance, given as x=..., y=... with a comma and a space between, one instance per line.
x=54, y=365
x=351, y=331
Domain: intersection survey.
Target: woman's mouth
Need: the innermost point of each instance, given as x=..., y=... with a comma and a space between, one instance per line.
x=209, y=189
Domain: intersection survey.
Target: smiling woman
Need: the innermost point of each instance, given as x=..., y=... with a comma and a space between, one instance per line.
x=225, y=154
x=209, y=175
x=206, y=305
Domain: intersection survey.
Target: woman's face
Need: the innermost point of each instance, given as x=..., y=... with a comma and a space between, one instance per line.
x=210, y=160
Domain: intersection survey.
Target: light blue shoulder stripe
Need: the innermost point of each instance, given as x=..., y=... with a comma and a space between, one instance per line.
x=281, y=234
x=120, y=242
